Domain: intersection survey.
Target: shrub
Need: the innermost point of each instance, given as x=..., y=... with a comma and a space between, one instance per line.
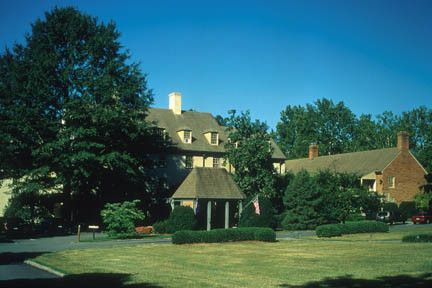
x=181, y=218
x=120, y=218
x=355, y=217
x=328, y=230
x=224, y=235
x=297, y=222
x=266, y=218
x=366, y=226
x=407, y=209
x=163, y=227
x=427, y=237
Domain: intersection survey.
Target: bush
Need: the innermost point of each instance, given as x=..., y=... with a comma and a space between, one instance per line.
x=418, y=238
x=224, y=235
x=407, y=209
x=352, y=228
x=163, y=227
x=329, y=230
x=355, y=217
x=266, y=218
x=181, y=218
x=120, y=218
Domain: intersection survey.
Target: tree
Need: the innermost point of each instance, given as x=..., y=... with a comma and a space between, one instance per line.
x=302, y=201
x=73, y=112
x=328, y=124
x=250, y=152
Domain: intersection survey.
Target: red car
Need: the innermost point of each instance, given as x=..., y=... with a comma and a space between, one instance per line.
x=422, y=218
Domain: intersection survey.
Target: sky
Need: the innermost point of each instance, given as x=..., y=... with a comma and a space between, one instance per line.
x=261, y=56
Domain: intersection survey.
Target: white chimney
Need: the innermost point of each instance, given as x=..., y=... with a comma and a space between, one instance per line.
x=175, y=102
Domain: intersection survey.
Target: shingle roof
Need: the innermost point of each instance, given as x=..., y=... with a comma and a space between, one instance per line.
x=360, y=163
x=208, y=183
x=199, y=123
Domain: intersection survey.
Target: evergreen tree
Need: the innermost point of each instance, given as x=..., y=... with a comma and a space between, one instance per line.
x=73, y=111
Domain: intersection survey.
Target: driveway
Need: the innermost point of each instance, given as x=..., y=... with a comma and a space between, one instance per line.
x=15, y=252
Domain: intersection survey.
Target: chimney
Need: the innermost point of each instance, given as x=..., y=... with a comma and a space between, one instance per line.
x=175, y=102
x=403, y=141
x=313, y=151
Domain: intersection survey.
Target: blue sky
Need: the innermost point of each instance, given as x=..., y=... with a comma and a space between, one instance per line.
x=264, y=55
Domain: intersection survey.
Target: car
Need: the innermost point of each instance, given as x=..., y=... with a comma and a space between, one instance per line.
x=422, y=218
x=385, y=216
x=17, y=228
x=52, y=227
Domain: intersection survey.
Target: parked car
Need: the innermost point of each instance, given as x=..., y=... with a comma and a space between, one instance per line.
x=386, y=217
x=17, y=228
x=52, y=226
x=422, y=218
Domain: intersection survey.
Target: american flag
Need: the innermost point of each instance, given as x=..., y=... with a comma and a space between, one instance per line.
x=256, y=205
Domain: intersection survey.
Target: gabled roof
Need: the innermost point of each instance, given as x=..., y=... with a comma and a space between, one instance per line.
x=208, y=183
x=359, y=163
x=199, y=123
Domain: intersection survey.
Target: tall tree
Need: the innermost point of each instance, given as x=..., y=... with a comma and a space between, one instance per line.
x=250, y=152
x=328, y=124
x=73, y=111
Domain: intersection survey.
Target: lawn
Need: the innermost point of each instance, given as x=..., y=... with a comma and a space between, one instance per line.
x=365, y=258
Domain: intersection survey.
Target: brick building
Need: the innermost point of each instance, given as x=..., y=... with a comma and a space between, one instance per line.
x=392, y=172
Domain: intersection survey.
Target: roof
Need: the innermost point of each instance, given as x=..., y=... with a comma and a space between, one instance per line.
x=359, y=163
x=208, y=183
x=199, y=123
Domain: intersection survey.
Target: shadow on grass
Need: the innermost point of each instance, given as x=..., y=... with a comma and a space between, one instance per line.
x=91, y=280
x=10, y=258
x=399, y=281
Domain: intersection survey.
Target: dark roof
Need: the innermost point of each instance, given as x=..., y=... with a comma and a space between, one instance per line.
x=360, y=163
x=208, y=183
x=199, y=123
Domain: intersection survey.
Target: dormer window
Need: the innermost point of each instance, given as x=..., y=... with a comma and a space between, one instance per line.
x=187, y=136
x=214, y=137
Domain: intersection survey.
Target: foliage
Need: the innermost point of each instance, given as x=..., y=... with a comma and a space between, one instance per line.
x=163, y=227
x=302, y=201
x=331, y=230
x=415, y=238
x=366, y=226
x=249, y=150
x=181, y=218
x=407, y=209
x=423, y=201
x=224, y=235
x=266, y=218
x=73, y=110
x=328, y=230
x=336, y=129
x=121, y=218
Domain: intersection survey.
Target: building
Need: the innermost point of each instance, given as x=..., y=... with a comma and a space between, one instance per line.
x=392, y=172
x=198, y=140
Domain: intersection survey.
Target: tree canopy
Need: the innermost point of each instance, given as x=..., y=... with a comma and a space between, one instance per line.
x=73, y=108
x=250, y=152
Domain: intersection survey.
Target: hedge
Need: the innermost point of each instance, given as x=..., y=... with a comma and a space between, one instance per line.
x=181, y=218
x=331, y=230
x=224, y=235
x=427, y=237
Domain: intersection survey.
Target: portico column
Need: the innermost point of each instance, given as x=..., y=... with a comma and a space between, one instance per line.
x=209, y=207
x=240, y=208
x=226, y=214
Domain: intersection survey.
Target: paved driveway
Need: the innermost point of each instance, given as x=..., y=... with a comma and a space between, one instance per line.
x=14, y=253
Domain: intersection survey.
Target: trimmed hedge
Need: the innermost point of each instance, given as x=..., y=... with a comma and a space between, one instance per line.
x=331, y=230
x=426, y=237
x=224, y=235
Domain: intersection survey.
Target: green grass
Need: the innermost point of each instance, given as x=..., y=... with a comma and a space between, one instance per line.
x=254, y=264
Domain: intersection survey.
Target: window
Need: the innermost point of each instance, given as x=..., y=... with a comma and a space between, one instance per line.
x=391, y=181
x=187, y=136
x=189, y=162
x=214, y=138
x=216, y=162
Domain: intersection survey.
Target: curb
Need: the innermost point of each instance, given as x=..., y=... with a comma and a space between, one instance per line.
x=44, y=268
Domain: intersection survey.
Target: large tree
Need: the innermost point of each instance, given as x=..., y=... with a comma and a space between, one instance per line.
x=73, y=110
x=250, y=152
